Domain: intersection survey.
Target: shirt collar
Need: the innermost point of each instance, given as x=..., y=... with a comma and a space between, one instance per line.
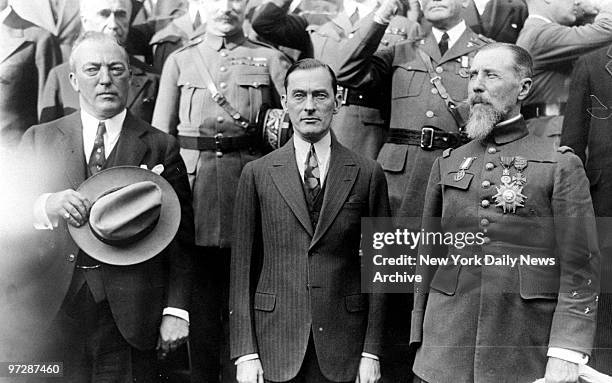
x=365, y=8
x=228, y=42
x=193, y=10
x=322, y=148
x=453, y=34
x=481, y=5
x=509, y=130
x=4, y=13
x=540, y=18
x=113, y=124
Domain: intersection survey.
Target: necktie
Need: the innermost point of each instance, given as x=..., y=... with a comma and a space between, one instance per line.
x=97, y=158
x=312, y=177
x=54, y=4
x=197, y=22
x=354, y=17
x=443, y=44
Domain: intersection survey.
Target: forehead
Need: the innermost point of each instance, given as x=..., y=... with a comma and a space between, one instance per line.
x=317, y=78
x=498, y=59
x=99, y=52
x=97, y=5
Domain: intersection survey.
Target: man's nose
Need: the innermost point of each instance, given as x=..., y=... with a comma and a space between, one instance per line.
x=111, y=22
x=105, y=76
x=309, y=105
x=477, y=84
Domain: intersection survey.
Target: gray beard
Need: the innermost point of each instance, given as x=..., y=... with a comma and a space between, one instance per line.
x=483, y=118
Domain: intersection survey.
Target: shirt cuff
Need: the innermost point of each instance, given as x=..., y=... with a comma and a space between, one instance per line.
x=245, y=358
x=179, y=313
x=568, y=355
x=370, y=356
x=41, y=220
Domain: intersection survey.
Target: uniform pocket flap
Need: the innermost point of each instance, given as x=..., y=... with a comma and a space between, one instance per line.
x=191, y=83
x=446, y=278
x=264, y=302
x=356, y=302
x=539, y=282
x=253, y=79
x=452, y=180
x=393, y=158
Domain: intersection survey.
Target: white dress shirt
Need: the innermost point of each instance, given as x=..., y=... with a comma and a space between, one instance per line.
x=481, y=5
x=454, y=33
x=364, y=8
x=4, y=13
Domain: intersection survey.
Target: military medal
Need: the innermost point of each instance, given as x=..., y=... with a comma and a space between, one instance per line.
x=509, y=195
x=520, y=163
x=506, y=163
x=465, y=165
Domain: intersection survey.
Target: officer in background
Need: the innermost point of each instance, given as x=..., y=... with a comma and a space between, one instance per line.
x=555, y=44
x=210, y=94
x=360, y=124
x=111, y=17
x=500, y=20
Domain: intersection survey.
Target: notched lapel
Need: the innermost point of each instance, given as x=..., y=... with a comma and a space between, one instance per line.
x=285, y=176
x=137, y=84
x=130, y=147
x=12, y=43
x=430, y=46
x=340, y=179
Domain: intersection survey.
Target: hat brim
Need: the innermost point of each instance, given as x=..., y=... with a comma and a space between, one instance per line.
x=146, y=248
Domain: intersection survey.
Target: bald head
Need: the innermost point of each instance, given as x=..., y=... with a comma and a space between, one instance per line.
x=107, y=16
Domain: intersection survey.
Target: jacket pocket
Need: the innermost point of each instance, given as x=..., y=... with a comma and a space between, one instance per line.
x=446, y=279
x=264, y=302
x=356, y=302
x=407, y=82
x=539, y=282
x=449, y=180
x=392, y=158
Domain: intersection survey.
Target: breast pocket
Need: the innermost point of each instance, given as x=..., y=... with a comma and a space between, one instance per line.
x=254, y=89
x=454, y=181
x=192, y=101
x=407, y=82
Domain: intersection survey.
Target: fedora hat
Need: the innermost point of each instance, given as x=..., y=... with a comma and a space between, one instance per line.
x=134, y=216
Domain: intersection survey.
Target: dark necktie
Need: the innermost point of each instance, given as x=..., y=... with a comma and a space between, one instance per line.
x=354, y=17
x=197, y=22
x=312, y=176
x=97, y=158
x=443, y=44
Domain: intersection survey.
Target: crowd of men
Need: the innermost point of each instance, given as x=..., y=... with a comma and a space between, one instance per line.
x=486, y=115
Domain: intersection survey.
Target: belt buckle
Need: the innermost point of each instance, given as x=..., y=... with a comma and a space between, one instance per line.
x=434, y=79
x=427, y=143
x=218, y=148
x=218, y=98
x=344, y=91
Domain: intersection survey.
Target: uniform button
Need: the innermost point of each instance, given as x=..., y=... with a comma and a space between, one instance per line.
x=220, y=119
x=492, y=150
x=434, y=91
x=223, y=69
x=484, y=222
x=223, y=54
x=486, y=240
x=223, y=85
x=589, y=282
x=439, y=69
x=71, y=258
x=429, y=114
x=351, y=35
x=486, y=184
x=255, y=84
x=485, y=203
x=320, y=328
x=489, y=166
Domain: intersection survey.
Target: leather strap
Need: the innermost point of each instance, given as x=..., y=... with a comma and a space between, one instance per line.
x=428, y=138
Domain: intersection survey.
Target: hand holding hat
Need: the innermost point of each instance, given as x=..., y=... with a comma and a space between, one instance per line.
x=69, y=205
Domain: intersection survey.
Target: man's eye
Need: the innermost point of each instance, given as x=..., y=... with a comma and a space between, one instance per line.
x=298, y=96
x=321, y=96
x=119, y=70
x=91, y=71
x=492, y=75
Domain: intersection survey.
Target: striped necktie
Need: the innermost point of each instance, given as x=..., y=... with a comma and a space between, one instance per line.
x=97, y=157
x=312, y=177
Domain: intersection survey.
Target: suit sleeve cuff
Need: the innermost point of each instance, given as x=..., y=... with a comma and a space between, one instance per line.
x=245, y=358
x=568, y=355
x=179, y=313
x=368, y=355
x=41, y=220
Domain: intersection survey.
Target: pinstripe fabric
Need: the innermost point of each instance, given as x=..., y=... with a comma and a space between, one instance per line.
x=288, y=277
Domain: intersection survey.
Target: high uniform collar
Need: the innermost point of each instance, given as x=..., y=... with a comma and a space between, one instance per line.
x=228, y=42
x=509, y=131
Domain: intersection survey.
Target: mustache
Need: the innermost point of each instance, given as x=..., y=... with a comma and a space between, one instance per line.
x=478, y=99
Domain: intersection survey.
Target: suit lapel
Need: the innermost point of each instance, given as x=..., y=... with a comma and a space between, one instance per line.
x=137, y=84
x=71, y=149
x=69, y=10
x=495, y=17
x=430, y=46
x=130, y=148
x=15, y=39
x=286, y=177
x=472, y=17
x=462, y=47
x=340, y=178
x=342, y=20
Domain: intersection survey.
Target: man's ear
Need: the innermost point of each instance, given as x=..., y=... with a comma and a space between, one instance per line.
x=337, y=102
x=284, y=102
x=74, y=82
x=526, y=84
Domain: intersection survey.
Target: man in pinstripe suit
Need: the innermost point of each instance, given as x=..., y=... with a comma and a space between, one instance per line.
x=297, y=313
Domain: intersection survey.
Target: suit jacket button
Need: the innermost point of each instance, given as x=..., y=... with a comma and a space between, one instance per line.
x=320, y=328
x=71, y=258
x=429, y=114
x=489, y=166
x=439, y=70
x=492, y=150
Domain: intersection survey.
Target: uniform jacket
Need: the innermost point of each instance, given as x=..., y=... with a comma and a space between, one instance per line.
x=67, y=27
x=249, y=75
x=501, y=21
x=60, y=99
x=289, y=280
x=136, y=294
x=506, y=317
x=27, y=55
x=413, y=105
x=554, y=49
x=360, y=128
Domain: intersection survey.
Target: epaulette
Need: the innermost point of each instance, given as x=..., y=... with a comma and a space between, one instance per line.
x=447, y=152
x=565, y=149
x=481, y=40
x=190, y=44
x=263, y=44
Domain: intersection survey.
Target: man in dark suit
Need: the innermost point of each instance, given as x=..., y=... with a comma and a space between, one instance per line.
x=27, y=55
x=586, y=129
x=111, y=17
x=297, y=313
x=102, y=320
x=500, y=20
x=503, y=321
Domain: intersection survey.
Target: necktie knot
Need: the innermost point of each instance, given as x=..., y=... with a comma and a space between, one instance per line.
x=443, y=44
